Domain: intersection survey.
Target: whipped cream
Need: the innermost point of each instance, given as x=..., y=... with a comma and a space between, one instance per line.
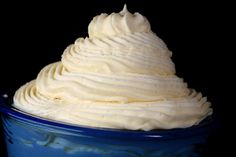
x=121, y=76
x=115, y=24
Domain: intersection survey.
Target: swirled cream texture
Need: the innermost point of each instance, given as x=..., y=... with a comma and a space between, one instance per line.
x=121, y=76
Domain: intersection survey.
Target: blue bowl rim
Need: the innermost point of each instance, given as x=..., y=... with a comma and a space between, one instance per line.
x=161, y=134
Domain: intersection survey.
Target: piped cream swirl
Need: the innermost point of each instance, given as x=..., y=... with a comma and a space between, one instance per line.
x=105, y=25
x=120, y=77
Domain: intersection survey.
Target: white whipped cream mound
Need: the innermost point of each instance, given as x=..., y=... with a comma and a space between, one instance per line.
x=120, y=77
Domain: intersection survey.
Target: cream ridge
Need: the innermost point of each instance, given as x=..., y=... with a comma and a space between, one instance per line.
x=121, y=76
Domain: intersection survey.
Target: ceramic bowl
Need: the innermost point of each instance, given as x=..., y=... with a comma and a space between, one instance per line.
x=27, y=135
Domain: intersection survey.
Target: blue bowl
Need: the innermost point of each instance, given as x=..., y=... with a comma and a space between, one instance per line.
x=27, y=135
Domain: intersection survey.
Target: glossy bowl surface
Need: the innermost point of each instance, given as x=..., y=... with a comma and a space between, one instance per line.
x=27, y=135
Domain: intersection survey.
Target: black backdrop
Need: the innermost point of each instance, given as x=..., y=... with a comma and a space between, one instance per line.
x=35, y=34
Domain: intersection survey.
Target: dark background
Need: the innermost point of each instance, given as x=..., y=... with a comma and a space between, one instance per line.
x=35, y=34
